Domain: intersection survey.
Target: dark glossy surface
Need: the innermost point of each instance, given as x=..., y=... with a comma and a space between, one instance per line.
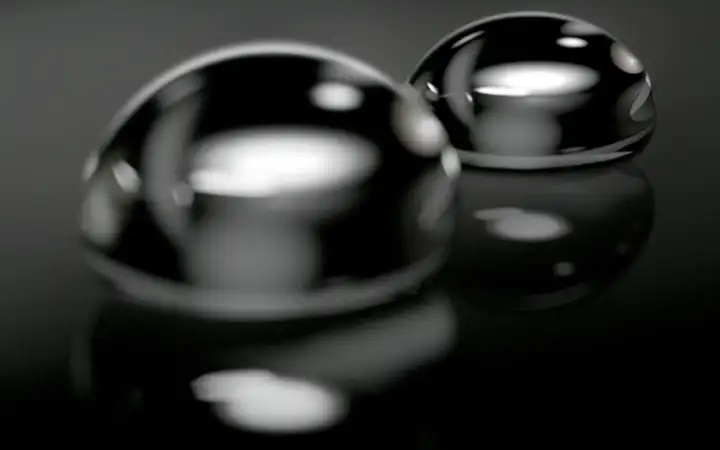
x=269, y=179
x=524, y=242
x=326, y=381
x=538, y=90
x=639, y=360
x=536, y=240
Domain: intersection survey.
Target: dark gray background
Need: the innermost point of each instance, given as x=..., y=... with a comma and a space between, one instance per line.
x=67, y=66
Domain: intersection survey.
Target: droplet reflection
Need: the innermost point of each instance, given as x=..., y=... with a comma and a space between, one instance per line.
x=149, y=373
x=536, y=241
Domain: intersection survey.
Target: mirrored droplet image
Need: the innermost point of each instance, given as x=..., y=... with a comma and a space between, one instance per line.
x=516, y=90
x=145, y=371
x=531, y=241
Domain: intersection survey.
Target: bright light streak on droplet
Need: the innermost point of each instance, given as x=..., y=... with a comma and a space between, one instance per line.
x=524, y=79
x=450, y=161
x=502, y=91
x=572, y=42
x=272, y=162
x=126, y=177
x=625, y=60
x=525, y=226
x=336, y=96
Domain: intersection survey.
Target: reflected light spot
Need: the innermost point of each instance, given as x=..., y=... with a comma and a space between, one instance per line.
x=572, y=42
x=430, y=134
x=272, y=162
x=529, y=227
x=418, y=128
x=126, y=177
x=524, y=79
x=502, y=91
x=432, y=88
x=625, y=60
x=336, y=96
x=450, y=162
x=261, y=401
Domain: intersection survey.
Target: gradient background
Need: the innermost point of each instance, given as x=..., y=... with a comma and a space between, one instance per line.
x=67, y=66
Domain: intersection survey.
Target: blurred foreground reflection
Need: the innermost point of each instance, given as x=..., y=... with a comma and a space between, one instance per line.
x=145, y=372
